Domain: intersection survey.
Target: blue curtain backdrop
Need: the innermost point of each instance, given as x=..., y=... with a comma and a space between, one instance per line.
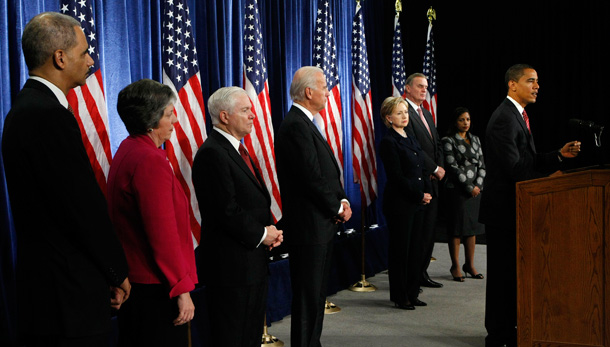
x=475, y=45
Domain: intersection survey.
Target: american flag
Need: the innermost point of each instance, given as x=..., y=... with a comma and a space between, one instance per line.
x=398, y=62
x=364, y=160
x=430, y=72
x=88, y=101
x=260, y=141
x=325, y=57
x=181, y=73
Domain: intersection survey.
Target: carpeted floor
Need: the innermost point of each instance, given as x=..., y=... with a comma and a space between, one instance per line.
x=454, y=316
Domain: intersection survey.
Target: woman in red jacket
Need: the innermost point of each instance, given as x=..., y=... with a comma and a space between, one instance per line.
x=151, y=215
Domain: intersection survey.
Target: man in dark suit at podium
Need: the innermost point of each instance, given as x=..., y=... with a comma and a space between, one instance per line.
x=236, y=222
x=421, y=126
x=510, y=157
x=69, y=260
x=313, y=203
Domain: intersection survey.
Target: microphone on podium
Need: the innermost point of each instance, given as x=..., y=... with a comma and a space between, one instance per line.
x=585, y=124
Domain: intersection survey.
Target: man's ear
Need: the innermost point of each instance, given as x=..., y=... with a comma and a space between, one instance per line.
x=59, y=59
x=224, y=117
x=308, y=93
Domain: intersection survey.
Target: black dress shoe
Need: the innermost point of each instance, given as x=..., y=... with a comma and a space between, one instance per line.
x=417, y=302
x=407, y=306
x=430, y=283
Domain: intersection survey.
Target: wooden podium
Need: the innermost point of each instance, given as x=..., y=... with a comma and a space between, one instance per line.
x=563, y=260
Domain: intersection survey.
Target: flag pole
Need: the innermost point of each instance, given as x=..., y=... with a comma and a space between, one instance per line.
x=270, y=340
x=363, y=285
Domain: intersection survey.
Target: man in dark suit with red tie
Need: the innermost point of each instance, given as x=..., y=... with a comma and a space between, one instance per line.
x=313, y=202
x=510, y=157
x=69, y=260
x=421, y=126
x=236, y=223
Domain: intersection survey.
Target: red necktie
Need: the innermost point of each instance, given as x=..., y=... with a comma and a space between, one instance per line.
x=423, y=119
x=527, y=121
x=244, y=155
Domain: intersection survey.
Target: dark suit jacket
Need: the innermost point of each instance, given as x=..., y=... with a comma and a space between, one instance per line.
x=235, y=208
x=67, y=252
x=407, y=179
x=431, y=146
x=309, y=180
x=510, y=157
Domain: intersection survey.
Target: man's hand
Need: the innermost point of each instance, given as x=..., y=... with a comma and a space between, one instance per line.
x=570, y=149
x=118, y=295
x=274, y=237
x=346, y=214
x=186, y=309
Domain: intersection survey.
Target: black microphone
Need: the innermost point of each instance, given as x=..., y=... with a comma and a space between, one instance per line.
x=585, y=124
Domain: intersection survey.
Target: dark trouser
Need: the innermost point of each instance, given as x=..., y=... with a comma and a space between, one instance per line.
x=237, y=313
x=309, y=271
x=404, y=255
x=428, y=233
x=501, y=291
x=146, y=318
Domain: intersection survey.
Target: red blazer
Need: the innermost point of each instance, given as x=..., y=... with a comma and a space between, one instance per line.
x=151, y=215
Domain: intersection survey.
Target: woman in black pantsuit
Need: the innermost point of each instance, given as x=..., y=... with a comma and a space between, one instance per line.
x=407, y=189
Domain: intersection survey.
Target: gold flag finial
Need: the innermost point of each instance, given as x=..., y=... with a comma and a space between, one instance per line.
x=398, y=6
x=431, y=14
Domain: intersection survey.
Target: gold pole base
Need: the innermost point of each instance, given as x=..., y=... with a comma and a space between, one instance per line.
x=362, y=286
x=271, y=341
x=330, y=308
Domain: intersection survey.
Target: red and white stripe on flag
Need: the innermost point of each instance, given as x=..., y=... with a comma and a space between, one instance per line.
x=181, y=74
x=89, y=105
x=364, y=157
x=331, y=125
x=188, y=135
x=363, y=130
x=260, y=143
x=88, y=101
x=430, y=71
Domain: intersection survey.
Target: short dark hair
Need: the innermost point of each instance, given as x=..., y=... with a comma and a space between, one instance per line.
x=412, y=76
x=141, y=105
x=456, y=114
x=46, y=33
x=515, y=72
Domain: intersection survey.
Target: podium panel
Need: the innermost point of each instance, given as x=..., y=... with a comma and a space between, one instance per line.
x=563, y=265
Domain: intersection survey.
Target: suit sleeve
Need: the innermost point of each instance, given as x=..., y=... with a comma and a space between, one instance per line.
x=304, y=156
x=153, y=186
x=213, y=179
